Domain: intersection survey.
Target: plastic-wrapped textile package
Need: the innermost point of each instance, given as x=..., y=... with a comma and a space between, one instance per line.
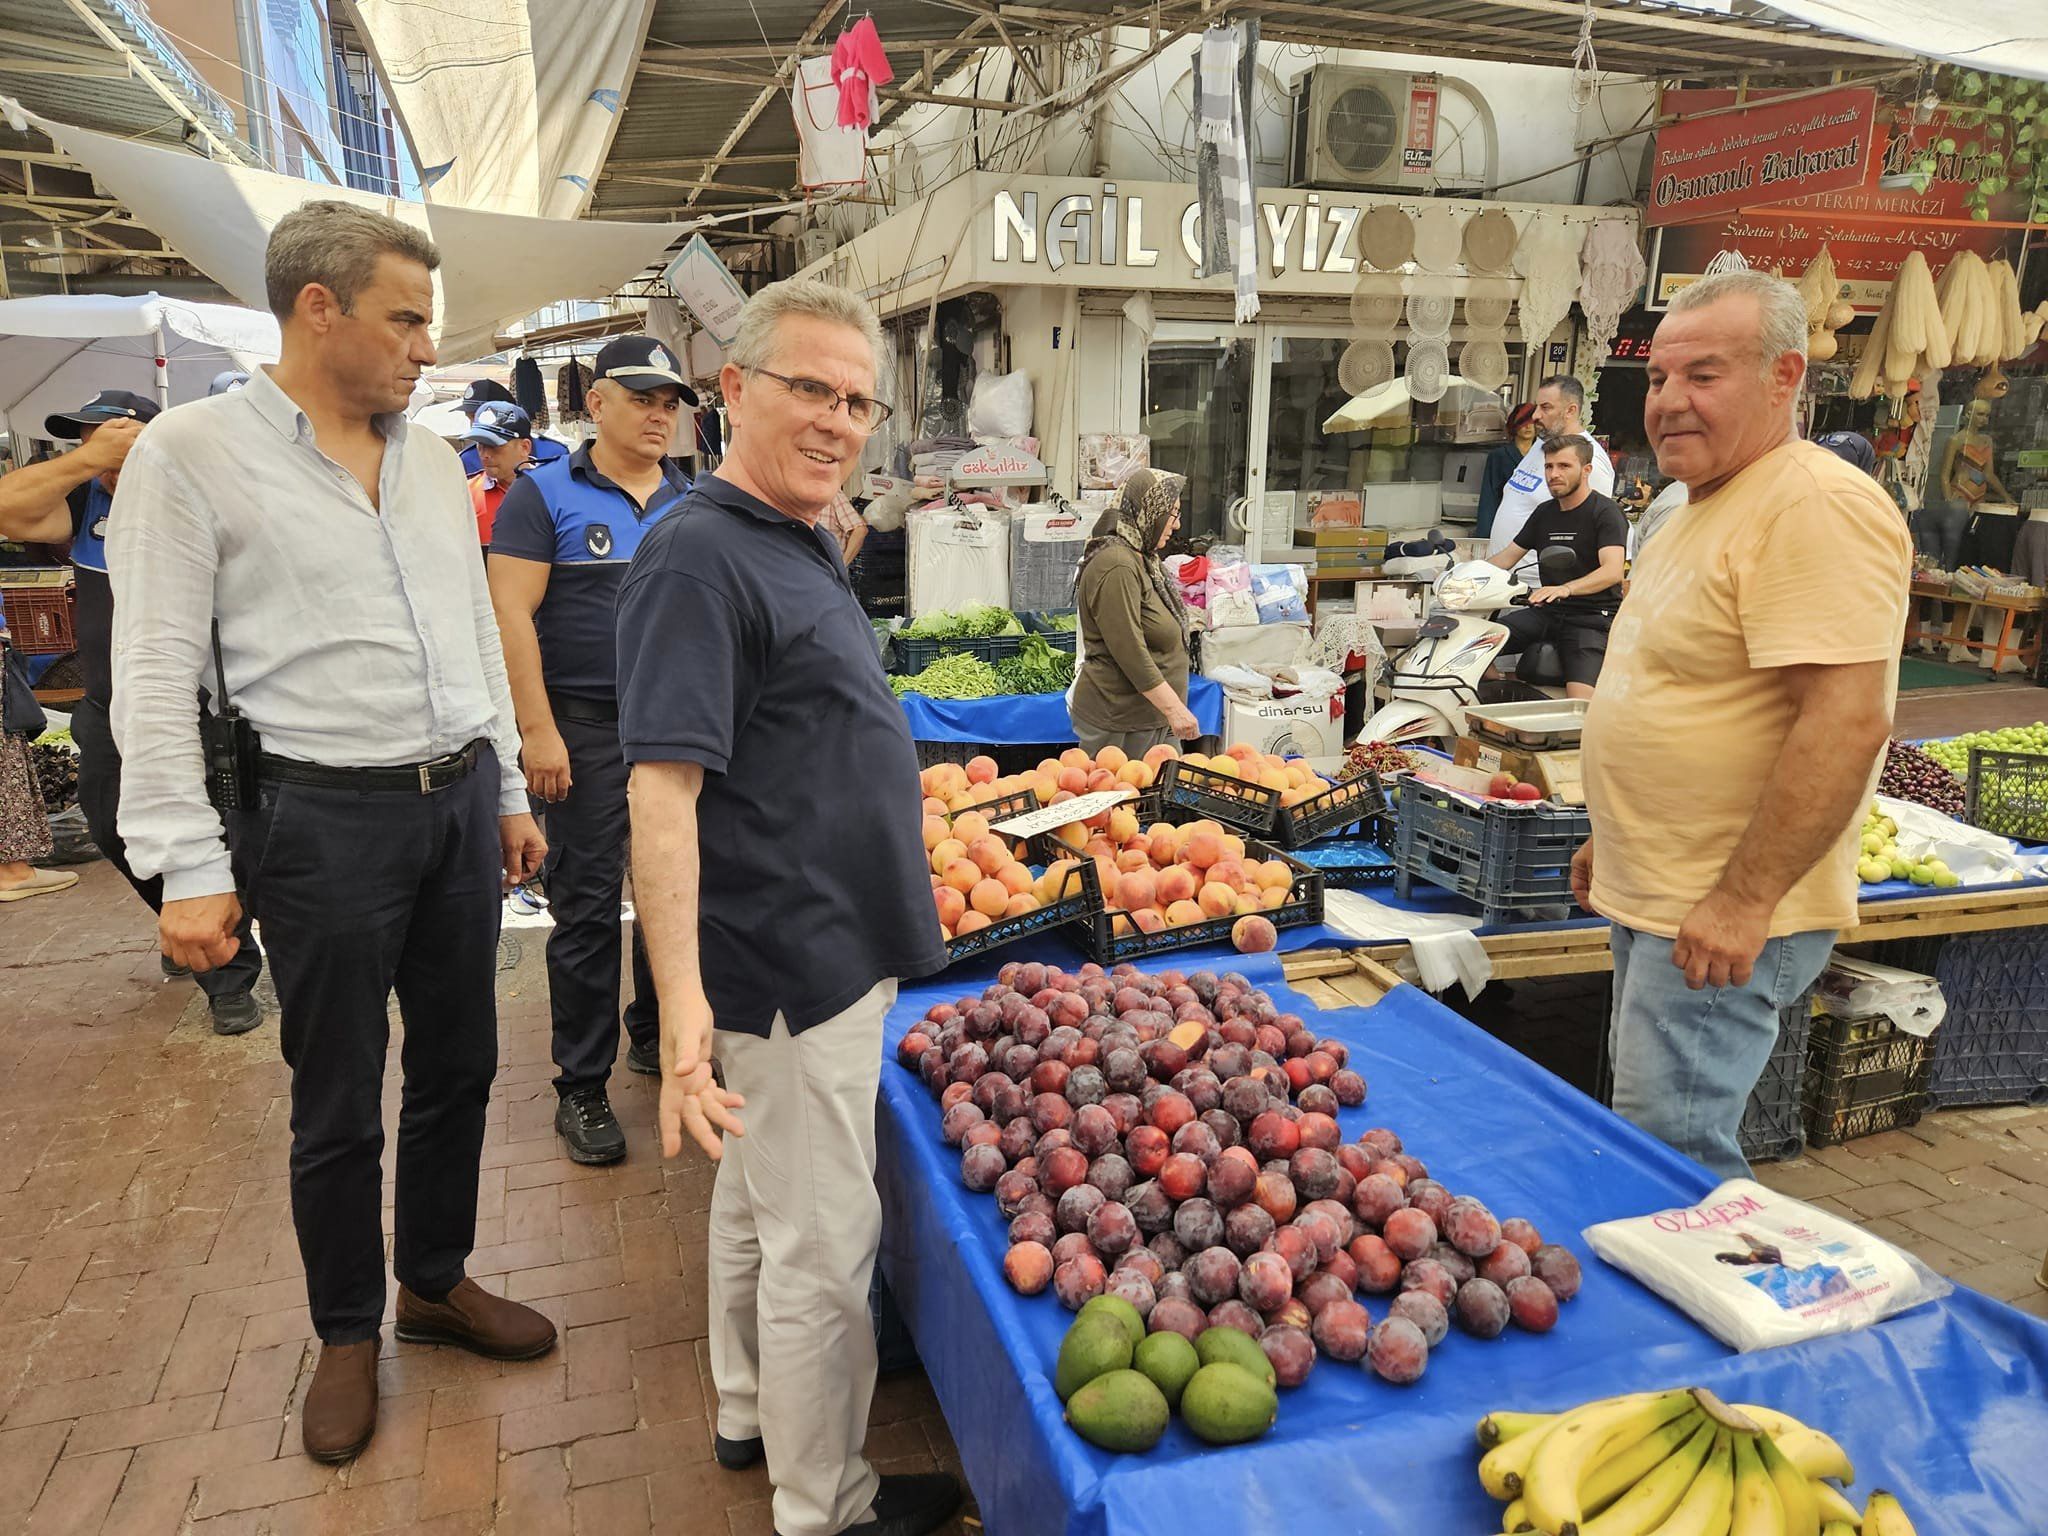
x=1046, y=539
x=958, y=556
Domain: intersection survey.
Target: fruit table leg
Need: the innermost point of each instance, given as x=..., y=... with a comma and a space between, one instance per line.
x=2006, y=658
x=1959, y=616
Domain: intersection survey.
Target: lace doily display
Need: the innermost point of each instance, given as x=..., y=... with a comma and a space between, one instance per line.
x=1338, y=636
x=1610, y=272
x=1376, y=305
x=1429, y=369
x=1488, y=311
x=1430, y=311
x=1438, y=241
x=1484, y=362
x=1489, y=241
x=1548, y=259
x=1365, y=365
x=1386, y=238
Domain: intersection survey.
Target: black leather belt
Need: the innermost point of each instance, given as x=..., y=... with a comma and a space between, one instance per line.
x=412, y=778
x=568, y=706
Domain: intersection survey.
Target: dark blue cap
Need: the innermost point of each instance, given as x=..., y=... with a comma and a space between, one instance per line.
x=480, y=391
x=498, y=422
x=107, y=405
x=641, y=362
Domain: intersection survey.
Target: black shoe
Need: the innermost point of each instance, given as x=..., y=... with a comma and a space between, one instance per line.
x=585, y=1121
x=736, y=1455
x=235, y=1013
x=646, y=1060
x=172, y=970
x=910, y=1504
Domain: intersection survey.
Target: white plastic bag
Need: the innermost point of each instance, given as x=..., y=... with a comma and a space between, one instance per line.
x=1854, y=989
x=1001, y=406
x=1758, y=1269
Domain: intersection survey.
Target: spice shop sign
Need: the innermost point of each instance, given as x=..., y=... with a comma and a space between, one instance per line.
x=1707, y=166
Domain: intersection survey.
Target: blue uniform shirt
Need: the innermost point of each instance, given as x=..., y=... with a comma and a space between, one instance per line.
x=570, y=515
x=743, y=648
x=545, y=451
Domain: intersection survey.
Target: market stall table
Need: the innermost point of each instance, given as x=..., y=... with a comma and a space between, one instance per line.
x=1026, y=719
x=1946, y=1405
x=2018, y=623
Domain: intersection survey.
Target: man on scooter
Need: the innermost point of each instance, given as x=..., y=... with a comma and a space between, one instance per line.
x=1575, y=613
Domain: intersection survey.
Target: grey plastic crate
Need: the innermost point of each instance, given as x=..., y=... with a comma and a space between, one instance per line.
x=1512, y=862
x=2007, y=793
x=1773, y=1129
x=1992, y=1046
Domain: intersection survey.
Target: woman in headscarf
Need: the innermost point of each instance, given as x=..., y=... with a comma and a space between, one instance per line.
x=1132, y=685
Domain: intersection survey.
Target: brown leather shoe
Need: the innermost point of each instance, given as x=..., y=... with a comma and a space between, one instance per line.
x=341, y=1405
x=473, y=1319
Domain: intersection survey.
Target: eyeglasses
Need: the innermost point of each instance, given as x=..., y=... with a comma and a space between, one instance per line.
x=863, y=411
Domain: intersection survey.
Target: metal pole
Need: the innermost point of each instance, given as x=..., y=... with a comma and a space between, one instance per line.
x=163, y=367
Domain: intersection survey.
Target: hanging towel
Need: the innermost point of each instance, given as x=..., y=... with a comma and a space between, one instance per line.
x=1223, y=161
x=860, y=68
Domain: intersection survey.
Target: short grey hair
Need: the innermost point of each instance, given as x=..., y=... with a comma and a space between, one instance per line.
x=1781, y=311
x=336, y=245
x=753, y=347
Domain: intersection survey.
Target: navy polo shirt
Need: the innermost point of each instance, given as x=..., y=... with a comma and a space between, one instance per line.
x=743, y=648
x=572, y=516
x=90, y=504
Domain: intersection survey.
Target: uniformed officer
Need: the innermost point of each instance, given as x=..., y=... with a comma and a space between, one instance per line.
x=502, y=435
x=70, y=496
x=559, y=551
x=483, y=392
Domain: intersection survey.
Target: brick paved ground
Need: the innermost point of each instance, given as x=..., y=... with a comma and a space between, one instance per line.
x=153, y=1339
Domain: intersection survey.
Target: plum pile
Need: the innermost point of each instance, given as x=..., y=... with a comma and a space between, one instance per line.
x=1172, y=1140
x=1911, y=774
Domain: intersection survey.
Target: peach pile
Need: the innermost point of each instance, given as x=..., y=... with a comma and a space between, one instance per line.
x=1295, y=781
x=1159, y=877
x=950, y=788
x=978, y=876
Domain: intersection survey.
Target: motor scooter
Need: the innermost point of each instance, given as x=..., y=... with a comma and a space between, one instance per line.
x=1434, y=680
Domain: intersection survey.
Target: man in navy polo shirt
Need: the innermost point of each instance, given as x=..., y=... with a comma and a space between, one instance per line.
x=560, y=545
x=70, y=496
x=482, y=392
x=780, y=875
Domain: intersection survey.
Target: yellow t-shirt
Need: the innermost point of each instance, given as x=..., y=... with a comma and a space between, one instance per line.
x=1799, y=559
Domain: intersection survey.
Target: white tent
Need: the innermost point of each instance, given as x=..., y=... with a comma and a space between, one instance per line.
x=2001, y=37
x=58, y=351
x=495, y=267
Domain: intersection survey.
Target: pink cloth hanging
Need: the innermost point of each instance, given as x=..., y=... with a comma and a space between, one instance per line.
x=860, y=68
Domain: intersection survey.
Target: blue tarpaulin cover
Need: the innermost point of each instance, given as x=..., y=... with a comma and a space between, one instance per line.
x=1023, y=719
x=1947, y=1405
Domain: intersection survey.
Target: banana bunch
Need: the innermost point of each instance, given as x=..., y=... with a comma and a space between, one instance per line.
x=1675, y=1463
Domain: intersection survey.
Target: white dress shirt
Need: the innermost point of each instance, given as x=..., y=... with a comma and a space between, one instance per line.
x=1526, y=490
x=355, y=636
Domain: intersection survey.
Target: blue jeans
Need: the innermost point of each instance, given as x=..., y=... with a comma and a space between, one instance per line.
x=1686, y=1062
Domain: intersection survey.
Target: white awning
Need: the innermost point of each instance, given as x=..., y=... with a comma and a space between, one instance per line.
x=495, y=267
x=510, y=104
x=58, y=351
x=2000, y=37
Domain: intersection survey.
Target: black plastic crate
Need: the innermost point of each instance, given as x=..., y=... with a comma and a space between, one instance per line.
x=1356, y=800
x=1235, y=802
x=2007, y=793
x=1862, y=1076
x=1304, y=904
x=1080, y=902
x=1510, y=860
x=1772, y=1130
x=1348, y=863
x=1059, y=637
x=915, y=652
x=1992, y=1046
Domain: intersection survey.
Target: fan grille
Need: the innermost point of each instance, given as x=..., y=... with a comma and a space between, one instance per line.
x=1361, y=129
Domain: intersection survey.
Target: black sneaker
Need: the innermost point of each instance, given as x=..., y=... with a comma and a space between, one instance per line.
x=646, y=1060
x=584, y=1119
x=736, y=1455
x=172, y=970
x=910, y=1504
x=235, y=1013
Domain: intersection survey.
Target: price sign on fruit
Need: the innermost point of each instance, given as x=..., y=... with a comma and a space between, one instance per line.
x=1080, y=808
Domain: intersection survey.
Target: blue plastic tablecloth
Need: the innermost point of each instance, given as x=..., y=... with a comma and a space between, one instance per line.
x=1947, y=1405
x=1024, y=719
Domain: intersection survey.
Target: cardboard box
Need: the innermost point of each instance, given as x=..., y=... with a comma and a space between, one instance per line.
x=1557, y=774
x=1341, y=538
x=1289, y=727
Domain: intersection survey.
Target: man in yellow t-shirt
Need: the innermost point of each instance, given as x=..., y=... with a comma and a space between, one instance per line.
x=1741, y=719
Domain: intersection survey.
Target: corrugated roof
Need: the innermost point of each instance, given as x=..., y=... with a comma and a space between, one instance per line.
x=39, y=38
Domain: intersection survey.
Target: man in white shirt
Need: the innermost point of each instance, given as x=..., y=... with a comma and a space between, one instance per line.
x=330, y=550
x=1560, y=412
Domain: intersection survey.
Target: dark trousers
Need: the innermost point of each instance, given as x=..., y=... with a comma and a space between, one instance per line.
x=361, y=893
x=587, y=846
x=99, y=796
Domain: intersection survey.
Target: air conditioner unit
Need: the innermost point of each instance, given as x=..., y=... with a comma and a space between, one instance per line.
x=814, y=245
x=1382, y=130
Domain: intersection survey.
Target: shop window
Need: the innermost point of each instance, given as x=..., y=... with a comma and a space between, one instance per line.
x=1417, y=462
x=1197, y=414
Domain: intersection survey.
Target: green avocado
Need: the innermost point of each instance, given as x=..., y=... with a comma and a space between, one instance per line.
x=1169, y=1360
x=1093, y=1346
x=1122, y=1311
x=1226, y=1404
x=1237, y=1347
x=1120, y=1411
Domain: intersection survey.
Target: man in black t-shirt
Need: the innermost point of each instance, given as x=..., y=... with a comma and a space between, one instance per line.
x=70, y=496
x=1576, y=612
